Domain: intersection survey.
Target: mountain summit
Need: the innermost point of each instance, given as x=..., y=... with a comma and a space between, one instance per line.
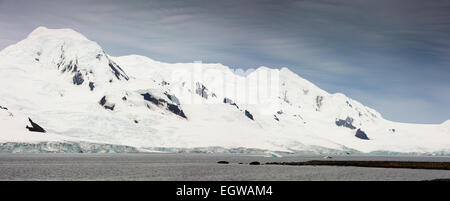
x=74, y=90
x=69, y=52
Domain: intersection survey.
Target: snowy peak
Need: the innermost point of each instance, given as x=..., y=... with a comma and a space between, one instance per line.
x=43, y=41
x=42, y=32
x=299, y=94
x=83, y=61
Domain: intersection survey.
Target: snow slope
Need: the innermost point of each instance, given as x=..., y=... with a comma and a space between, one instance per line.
x=75, y=90
x=15, y=137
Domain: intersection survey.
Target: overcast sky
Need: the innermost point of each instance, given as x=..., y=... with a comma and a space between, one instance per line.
x=393, y=56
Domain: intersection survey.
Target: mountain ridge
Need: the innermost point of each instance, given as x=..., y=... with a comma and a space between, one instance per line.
x=137, y=101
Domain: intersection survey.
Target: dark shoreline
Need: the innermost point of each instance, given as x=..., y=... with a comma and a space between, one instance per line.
x=375, y=164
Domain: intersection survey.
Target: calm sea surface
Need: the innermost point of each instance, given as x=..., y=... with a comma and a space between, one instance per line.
x=156, y=166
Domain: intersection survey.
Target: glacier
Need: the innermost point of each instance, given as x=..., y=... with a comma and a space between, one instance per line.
x=65, y=147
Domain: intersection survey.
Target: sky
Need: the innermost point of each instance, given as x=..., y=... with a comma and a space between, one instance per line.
x=393, y=56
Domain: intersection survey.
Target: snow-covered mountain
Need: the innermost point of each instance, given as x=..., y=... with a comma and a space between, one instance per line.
x=70, y=87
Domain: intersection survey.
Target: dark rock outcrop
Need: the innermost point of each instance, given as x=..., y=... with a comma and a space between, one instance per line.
x=361, y=134
x=249, y=115
x=176, y=110
x=104, y=103
x=229, y=101
x=201, y=90
x=78, y=78
x=319, y=100
x=109, y=107
x=161, y=102
x=117, y=70
x=172, y=98
x=285, y=98
x=348, y=104
x=276, y=118
x=71, y=67
x=91, y=86
x=154, y=100
x=346, y=123
x=255, y=163
x=223, y=162
x=35, y=127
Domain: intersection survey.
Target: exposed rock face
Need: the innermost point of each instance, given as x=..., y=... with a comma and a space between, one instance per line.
x=71, y=67
x=346, y=123
x=176, y=110
x=78, y=78
x=105, y=104
x=69, y=63
x=285, y=98
x=35, y=127
x=154, y=100
x=117, y=70
x=229, y=101
x=319, y=100
x=161, y=102
x=348, y=104
x=255, y=163
x=361, y=134
x=172, y=98
x=109, y=107
x=201, y=90
x=276, y=118
x=91, y=86
x=103, y=101
x=249, y=115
